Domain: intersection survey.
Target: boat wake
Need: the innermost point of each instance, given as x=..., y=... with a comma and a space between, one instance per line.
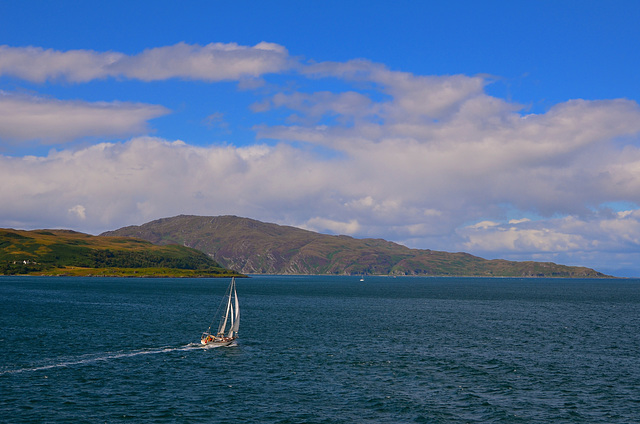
x=108, y=356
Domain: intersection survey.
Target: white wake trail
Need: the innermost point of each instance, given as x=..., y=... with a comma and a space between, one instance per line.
x=108, y=356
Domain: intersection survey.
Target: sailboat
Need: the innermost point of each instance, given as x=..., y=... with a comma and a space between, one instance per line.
x=229, y=322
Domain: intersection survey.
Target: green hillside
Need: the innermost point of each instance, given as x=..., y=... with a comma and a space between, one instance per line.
x=57, y=252
x=251, y=246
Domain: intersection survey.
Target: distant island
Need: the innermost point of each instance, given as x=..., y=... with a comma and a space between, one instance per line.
x=70, y=253
x=253, y=247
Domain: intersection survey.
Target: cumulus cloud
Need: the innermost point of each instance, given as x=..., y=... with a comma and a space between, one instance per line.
x=121, y=183
x=429, y=161
x=39, y=65
x=212, y=62
x=351, y=227
x=480, y=152
x=79, y=211
x=522, y=239
x=316, y=105
x=412, y=96
x=110, y=185
x=53, y=121
x=605, y=240
x=428, y=155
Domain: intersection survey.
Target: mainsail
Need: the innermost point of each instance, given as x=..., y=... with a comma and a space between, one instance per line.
x=235, y=320
x=232, y=313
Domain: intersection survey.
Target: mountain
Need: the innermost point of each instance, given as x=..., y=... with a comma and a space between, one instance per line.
x=254, y=247
x=58, y=252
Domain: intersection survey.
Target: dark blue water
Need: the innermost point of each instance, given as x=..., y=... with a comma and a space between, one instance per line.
x=321, y=350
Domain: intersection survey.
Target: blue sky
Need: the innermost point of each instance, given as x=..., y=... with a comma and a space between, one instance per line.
x=503, y=129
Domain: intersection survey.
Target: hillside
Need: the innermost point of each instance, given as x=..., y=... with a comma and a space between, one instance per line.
x=58, y=252
x=251, y=246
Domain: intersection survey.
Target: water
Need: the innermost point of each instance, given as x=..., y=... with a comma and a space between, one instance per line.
x=321, y=350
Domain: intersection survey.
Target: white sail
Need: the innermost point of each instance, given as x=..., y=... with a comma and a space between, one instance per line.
x=223, y=324
x=229, y=322
x=235, y=317
x=232, y=317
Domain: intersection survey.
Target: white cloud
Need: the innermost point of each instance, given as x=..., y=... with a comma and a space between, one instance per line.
x=147, y=178
x=413, y=96
x=49, y=120
x=110, y=185
x=442, y=142
x=212, y=62
x=483, y=225
x=497, y=238
x=417, y=159
x=316, y=105
x=39, y=65
x=605, y=241
x=79, y=211
x=325, y=225
x=518, y=221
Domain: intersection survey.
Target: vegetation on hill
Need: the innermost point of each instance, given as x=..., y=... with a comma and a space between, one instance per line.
x=251, y=246
x=57, y=252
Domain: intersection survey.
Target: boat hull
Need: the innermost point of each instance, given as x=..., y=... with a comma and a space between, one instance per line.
x=213, y=343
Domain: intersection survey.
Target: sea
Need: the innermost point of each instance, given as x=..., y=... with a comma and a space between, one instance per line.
x=321, y=349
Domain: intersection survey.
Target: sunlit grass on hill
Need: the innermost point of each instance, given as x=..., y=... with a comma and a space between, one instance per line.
x=64, y=252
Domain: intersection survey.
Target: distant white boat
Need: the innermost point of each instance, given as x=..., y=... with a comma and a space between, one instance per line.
x=229, y=322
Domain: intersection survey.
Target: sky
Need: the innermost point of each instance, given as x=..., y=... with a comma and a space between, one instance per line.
x=503, y=129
